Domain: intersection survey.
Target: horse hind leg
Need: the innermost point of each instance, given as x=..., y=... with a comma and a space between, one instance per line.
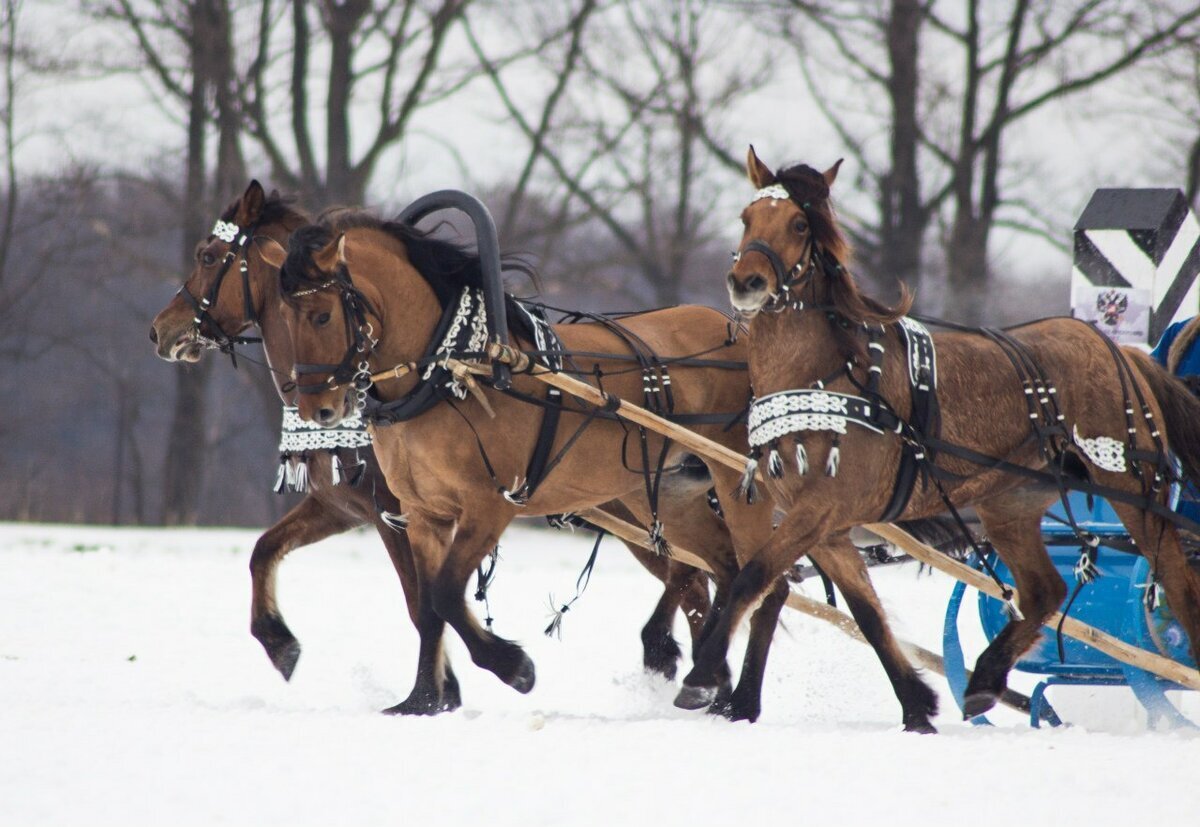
x=504, y=658
x=1013, y=526
x=1159, y=542
x=307, y=523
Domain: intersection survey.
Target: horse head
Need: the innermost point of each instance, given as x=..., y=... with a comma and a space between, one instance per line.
x=210, y=310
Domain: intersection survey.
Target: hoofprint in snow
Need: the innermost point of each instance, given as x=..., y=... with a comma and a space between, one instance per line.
x=131, y=692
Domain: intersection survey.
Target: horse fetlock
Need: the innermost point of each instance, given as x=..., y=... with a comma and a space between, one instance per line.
x=660, y=651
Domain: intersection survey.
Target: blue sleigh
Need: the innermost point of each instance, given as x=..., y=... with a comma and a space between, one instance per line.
x=1115, y=603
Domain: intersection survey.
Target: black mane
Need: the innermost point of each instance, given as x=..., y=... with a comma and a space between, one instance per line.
x=447, y=266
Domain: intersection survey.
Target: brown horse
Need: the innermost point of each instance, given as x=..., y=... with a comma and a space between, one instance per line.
x=235, y=300
x=354, y=291
x=841, y=423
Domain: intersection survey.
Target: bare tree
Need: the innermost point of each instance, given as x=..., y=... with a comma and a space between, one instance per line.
x=947, y=129
x=368, y=49
x=623, y=136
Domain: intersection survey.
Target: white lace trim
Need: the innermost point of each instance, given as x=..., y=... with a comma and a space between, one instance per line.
x=298, y=435
x=1104, y=452
x=782, y=413
x=473, y=312
x=915, y=360
x=226, y=231
x=776, y=191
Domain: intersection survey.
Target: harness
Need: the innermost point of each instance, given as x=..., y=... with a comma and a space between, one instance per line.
x=237, y=239
x=816, y=408
x=462, y=334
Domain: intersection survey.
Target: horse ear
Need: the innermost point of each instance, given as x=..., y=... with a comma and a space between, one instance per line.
x=830, y=175
x=341, y=247
x=760, y=174
x=327, y=258
x=272, y=251
x=251, y=204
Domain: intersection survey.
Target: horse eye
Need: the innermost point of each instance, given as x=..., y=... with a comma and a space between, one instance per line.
x=801, y=226
x=208, y=259
x=322, y=320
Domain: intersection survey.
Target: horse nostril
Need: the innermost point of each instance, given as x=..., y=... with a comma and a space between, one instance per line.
x=731, y=281
x=325, y=415
x=153, y=335
x=756, y=283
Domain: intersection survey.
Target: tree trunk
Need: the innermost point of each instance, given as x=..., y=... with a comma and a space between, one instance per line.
x=904, y=218
x=183, y=475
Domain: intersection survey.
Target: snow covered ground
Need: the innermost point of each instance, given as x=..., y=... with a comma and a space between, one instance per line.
x=132, y=693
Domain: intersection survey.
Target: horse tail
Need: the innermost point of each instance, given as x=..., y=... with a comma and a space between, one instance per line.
x=1180, y=410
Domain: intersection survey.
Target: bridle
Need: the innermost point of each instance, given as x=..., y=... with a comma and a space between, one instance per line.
x=237, y=240
x=785, y=277
x=354, y=367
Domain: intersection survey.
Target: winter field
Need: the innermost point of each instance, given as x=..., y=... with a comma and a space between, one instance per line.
x=131, y=693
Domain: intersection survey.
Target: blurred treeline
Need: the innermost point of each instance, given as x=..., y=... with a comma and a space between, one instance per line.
x=607, y=137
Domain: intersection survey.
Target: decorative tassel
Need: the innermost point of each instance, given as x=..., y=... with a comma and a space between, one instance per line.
x=335, y=468
x=1010, y=609
x=775, y=462
x=556, y=619
x=746, y=487
x=360, y=468
x=302, y=474
x=281, y=476
x=658, y=542
x=801, y=458
x=290, y=474
x=835, y=459
x=396, y=522
x=1085, y=568
x=1153, y=596
x=517, y=495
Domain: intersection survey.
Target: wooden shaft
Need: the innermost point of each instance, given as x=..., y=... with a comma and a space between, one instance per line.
x=712, y=450
x=798, y=602
x=1110, y=645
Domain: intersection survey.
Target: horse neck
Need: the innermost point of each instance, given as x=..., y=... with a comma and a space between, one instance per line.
x=277, y=344
x=408, y=308
x=791, y=349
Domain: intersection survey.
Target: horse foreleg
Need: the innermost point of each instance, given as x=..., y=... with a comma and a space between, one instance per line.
x=401, y=554
x=845, y=567
x=307, y=523
x=798, y=531
x=435, y=688
x=504, y=658
x=745, y=702
x=1014, y=526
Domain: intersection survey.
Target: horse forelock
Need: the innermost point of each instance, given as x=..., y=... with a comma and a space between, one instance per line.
x=276, y=209
x=808, y=189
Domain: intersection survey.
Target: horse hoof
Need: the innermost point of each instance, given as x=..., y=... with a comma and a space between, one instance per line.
x=695, y=697
x=525, y=676
x=409, y=706
x=977, y=703
x=920, y=727
x=280, y=644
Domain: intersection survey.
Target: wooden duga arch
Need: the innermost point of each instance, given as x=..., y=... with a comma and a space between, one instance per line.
x=364, y=297
x=879, y=421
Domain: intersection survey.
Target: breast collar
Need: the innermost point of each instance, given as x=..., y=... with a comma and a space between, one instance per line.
x=817, y=409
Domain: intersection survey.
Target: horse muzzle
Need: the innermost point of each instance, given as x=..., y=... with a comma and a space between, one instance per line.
x=748, y=297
